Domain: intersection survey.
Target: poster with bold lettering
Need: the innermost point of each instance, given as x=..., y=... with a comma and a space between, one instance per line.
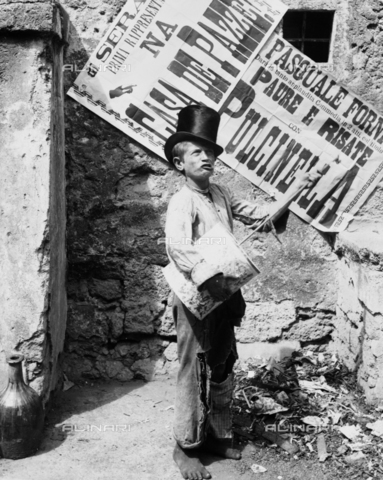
x=285, y=117
x=281, y=115
x=161, y=55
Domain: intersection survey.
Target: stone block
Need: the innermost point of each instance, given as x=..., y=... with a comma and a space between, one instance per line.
x=309, y=330
x=144, y=279
x=376, y=348
x=113, y=368
x=266, y=321
x=138, y=318
x=147, y=368
x=125, y=375
x=304, y=272
x=359, y=331
x=107, y=289
x=85, y=322
x=38, y=17
x=122, y=349
x=348, y=300
x=77, y=368
x=359, y=60
x=370, y=289
x=116, y=323
x=171, y=353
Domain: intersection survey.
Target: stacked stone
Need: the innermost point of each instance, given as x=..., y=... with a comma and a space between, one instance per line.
x=119, y=317
x=359, y=334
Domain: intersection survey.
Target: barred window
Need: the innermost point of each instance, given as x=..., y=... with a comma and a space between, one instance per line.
x=310, y=32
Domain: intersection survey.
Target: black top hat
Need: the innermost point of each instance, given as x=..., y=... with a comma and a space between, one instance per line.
x=195, y=122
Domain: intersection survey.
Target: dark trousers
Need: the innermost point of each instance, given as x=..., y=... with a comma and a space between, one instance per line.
x=206, y=353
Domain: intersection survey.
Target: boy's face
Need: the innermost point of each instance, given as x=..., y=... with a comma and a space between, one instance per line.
x=197, y=162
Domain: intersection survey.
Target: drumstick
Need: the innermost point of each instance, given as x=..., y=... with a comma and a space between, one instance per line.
x=278, y=211
x=273, y=215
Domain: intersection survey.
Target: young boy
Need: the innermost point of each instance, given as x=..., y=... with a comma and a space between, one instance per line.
x=207, y=348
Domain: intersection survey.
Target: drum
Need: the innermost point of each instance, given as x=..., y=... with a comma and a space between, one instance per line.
x=219, y=248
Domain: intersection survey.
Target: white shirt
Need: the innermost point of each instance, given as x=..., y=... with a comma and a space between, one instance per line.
x=191, y=213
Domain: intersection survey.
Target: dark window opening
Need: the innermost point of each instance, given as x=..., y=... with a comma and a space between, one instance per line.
x=310, y=32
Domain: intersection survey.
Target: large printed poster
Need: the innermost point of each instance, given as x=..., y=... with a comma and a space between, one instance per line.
x=286, y=116
x=280, y=114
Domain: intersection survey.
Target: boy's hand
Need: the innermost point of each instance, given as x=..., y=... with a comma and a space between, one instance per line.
x=217, y=287
x=309, y=179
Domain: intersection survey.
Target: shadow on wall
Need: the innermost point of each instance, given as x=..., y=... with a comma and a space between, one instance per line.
x=119, y=320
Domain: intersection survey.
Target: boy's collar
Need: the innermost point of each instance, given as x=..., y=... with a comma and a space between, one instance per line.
x=198, y=190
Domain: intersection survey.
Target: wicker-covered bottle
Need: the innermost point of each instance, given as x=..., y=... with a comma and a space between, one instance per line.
x=21, y=414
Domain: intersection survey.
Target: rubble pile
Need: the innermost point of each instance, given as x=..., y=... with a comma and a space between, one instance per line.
x=309, y=405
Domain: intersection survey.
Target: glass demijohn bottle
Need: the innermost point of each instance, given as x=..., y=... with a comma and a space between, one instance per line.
x=21, y=414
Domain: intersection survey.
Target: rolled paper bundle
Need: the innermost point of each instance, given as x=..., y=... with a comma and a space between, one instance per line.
x=219, y=248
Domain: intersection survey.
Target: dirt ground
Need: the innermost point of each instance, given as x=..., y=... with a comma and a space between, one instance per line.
x=124, y=432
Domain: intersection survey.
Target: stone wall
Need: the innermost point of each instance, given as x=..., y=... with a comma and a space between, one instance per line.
x=119, y=323
x=32, y=190
x=366, y=79
x=359, y=334
x=119, y=307
x=119, y=317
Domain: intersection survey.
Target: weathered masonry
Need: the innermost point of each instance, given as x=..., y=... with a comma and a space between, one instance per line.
x=32, y=189
x=325, y=291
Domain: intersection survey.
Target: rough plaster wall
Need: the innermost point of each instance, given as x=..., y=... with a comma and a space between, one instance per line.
x=27, y=15
x=359, y=336
x=32, y=189
x=366, y=79
x=24, y=193
x=119, y=318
